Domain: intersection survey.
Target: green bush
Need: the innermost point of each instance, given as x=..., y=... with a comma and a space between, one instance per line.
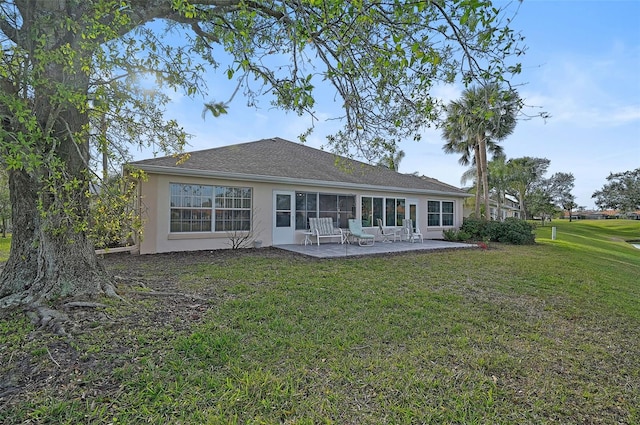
x=450, y=235
x=454, y=235
x=511, y=230
x=476, y=228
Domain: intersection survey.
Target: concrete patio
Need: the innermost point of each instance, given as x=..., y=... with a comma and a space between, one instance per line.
x=336, y=250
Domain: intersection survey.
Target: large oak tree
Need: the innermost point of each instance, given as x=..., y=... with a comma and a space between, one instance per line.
x=66, y=63
x=622, y=192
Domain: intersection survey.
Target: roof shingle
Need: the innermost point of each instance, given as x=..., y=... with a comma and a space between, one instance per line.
x=279, y=158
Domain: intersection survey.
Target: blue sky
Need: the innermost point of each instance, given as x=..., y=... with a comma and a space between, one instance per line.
x=582, y=66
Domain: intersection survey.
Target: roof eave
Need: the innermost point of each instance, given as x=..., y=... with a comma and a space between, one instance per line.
x=161, y=169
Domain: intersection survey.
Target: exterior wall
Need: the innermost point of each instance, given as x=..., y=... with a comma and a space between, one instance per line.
x=155, y=204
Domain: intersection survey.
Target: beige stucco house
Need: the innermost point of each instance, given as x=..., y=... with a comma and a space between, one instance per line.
x=268, y=189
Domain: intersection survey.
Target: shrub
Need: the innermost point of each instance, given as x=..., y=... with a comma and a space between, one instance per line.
x=463, y=236
x=474, y=227
x=454, y=235
x=516, y=231
x=511, y=230
x=450, y=235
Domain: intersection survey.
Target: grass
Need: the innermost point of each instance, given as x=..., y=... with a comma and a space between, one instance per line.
x=511, y=335
x=5, y=246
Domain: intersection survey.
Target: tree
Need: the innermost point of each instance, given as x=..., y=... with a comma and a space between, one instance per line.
x=498, y=181
x=547, y=196
x=560, y=187
x=484, y=116
x=67, y=63
x=525, y=175
x=540, y=204
x=114, y=213
x=621, y=193
x=471, y=175
x=5, y=203
x=392, y=160
x=569, y=204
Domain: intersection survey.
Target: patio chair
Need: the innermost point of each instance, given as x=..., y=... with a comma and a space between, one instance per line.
x=411, y=233
x=322, y=227
x=364, y=239
x=389, y=232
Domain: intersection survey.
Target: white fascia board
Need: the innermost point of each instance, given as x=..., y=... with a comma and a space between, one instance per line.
x=161, y=169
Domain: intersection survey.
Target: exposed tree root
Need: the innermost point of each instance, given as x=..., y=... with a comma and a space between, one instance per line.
x=50, y=318
x=47, y=318
x=169, y=294
x=110, y=291
x=83, y=304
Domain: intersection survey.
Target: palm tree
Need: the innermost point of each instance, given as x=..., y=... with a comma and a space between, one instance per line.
x=392, y=159
x=458, y=141
x=484, y=116
x=498, y=180
x=470, y=175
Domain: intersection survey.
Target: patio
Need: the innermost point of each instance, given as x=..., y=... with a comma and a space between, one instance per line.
x=336, y=250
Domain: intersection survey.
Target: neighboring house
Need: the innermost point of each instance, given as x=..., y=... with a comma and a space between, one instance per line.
x=602, y=215
x=267, y=190
x=510, y=207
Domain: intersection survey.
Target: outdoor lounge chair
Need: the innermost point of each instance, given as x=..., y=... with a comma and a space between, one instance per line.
x=412, y=234
x=364, y=239
x=387, y=233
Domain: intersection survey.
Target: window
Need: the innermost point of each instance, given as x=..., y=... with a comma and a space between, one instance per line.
x=447, y=213
x=328, y=207
x=191, y=208
x=440, y=213
x=309, y=204
x=306, y=208
x=367, y=211
x=283, y=210
x=395, y=212
x=372, y=210
x=233, y=208
x=400, y=211
x=390, y=210
x=195, y=208
x=377, y=211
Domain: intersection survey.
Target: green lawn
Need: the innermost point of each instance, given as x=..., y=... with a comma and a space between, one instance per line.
x=544, y=334
x=5, y=246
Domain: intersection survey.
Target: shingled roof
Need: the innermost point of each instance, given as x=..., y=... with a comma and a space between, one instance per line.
x=280, y=160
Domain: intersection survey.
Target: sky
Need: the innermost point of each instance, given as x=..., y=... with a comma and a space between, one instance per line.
x=582, y=66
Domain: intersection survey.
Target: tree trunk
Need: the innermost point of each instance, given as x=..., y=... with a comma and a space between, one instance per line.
x=484, y=174
x=476, y=152
x=570, y=214
x=48, y=258
x=523, y=212
x=51, y=256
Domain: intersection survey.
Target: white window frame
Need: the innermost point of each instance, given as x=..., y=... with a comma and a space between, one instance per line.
x=220, y=205
x=440, y=213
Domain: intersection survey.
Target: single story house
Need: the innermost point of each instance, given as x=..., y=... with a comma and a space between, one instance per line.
x=264, y=192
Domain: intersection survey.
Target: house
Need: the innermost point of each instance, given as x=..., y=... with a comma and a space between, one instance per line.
x=264, y=192
x=509, y=207
x=602, y=215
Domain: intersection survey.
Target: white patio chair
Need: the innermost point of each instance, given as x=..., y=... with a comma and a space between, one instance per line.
x=412, y=234
x=388, y=232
